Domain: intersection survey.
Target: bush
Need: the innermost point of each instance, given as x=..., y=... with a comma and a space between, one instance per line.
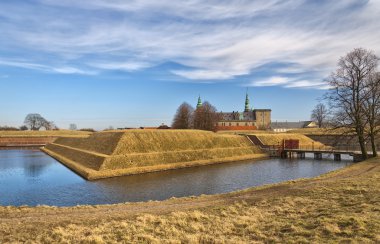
x=88, y=130
x=8, y=128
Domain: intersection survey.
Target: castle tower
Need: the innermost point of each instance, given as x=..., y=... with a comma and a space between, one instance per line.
x=199, y=104
x=246, y=103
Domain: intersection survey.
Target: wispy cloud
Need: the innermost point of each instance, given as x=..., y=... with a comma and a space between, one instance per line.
x=272, y=81
x=214, y=40
x=290, y=83
x=46, y=68
x=128, y=66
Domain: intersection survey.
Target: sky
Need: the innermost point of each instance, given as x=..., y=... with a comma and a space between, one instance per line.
x=101, y=63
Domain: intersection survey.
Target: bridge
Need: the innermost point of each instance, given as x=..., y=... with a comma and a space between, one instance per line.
x=292, y=149
x=318, y=153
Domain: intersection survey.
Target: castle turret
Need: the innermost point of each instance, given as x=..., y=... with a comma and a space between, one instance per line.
x=246, y=103
x=199, y=104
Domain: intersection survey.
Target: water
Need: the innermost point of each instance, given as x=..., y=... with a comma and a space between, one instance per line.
x=30, y=177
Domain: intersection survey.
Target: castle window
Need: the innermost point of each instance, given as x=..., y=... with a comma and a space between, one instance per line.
x=229, y=124
x=237, y=123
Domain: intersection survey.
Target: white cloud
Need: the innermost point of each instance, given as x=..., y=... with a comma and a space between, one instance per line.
x=308, y=84
x=216, y=40
x=22, y=64
x=72, y=70
x=204, y=74
x=290, y=83
x=272, y=81
x=45, y=68
x=128, y=66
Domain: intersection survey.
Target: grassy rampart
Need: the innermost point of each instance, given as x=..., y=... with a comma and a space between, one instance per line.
x=115, y=153
x=276, y=139
x=49, y=133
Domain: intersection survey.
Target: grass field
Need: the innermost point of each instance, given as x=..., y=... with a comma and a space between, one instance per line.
x=245, y=132
x=115, y=153
x=52, y=133
x=339, y=207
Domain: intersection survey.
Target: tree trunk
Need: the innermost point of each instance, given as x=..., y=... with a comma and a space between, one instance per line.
x=373, y=144
x=363, y=148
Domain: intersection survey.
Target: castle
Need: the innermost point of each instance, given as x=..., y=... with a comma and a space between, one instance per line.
x=250, y=119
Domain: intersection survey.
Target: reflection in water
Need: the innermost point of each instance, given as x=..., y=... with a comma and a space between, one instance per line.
x=32, y=178
x=34, y=170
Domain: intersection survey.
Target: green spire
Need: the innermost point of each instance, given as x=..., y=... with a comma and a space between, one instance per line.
x=246, y=102
x=199, y=104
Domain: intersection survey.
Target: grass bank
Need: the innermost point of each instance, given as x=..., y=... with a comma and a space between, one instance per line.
x=342, y=206
x=48, y=133
x=276, y=139
x=115, y=153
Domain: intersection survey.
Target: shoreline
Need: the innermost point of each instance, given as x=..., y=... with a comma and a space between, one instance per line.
x=348, y=200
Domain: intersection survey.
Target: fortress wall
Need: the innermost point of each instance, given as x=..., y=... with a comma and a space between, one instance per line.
x=25, y=141
x=108, y=154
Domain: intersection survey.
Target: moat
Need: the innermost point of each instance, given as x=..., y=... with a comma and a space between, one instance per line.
x=30, y=177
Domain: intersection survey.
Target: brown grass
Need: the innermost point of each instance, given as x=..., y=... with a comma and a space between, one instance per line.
x=50, y=133
x=339, y=207
x=321, y=131
x=244, y=132
x=101, y=142
x=139, y=151
x=277, y=138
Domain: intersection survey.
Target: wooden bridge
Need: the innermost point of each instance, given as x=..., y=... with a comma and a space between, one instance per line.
x=292, y=149
x=318, y=153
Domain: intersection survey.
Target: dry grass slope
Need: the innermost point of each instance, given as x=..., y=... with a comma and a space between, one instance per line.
x=103, y=142
x=322, y=131
x=276, y=139
x=139, y=151
x=175, y=140
x=52, y=133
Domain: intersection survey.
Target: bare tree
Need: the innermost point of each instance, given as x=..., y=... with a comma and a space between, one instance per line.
x=183, y=117
x=372, y=109
x=48, y=125
x=73, y=127
x=35, y=121
x=319, y=114
x=206, y=117
x=348, y=93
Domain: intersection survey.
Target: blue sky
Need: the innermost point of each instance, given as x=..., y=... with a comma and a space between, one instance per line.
x=118, y=63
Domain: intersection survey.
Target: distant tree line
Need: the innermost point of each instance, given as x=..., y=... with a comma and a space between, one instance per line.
x=12, y=128
x=204, y=117
x=36, y=122
x=32, y=122
x=353, y=100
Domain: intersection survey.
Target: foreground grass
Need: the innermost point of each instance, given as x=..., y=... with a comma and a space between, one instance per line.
x=342, y=206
